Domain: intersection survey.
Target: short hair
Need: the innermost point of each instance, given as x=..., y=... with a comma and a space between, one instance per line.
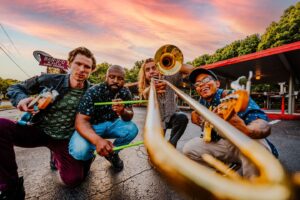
x=142, y=82
x=117, y=67
x=83, y=51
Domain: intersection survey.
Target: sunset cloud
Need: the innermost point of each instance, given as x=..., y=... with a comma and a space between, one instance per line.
x=123, y=32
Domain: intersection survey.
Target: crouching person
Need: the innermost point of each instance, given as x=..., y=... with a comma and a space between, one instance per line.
x=51, y=127
x=252, y=122
x=94, y=124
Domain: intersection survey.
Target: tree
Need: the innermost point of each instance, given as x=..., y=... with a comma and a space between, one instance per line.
x=201, y=60
x=265, y=88
x=248, y=45
x=132, y=74
x=5, y=83
x=98, y=75
x=287, y=30
x=236, y=48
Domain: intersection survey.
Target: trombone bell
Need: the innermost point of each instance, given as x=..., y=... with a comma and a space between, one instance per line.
x=168, y=59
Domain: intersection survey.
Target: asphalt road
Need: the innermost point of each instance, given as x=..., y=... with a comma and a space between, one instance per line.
x=138, y=180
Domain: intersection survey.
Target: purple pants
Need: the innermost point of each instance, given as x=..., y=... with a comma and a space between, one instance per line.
x=72, y=172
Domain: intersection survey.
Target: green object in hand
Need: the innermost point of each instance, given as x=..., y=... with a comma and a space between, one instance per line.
x=125, y=146
x=123, y=102
x=128, y=145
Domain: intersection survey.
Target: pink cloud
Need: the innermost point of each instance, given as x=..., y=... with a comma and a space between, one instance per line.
x=248, y=17
x=124, y=32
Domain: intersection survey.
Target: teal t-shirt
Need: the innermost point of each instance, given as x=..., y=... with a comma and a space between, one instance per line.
x=59, y=121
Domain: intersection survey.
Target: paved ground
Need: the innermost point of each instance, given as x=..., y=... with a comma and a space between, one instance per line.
x=5, y=105
x=138, y=180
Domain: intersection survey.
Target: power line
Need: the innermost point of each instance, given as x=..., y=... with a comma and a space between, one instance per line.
x=14, y=62
x=6, y=49
x=10, y=39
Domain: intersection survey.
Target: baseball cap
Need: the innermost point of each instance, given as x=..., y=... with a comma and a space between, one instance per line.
x=193, y=75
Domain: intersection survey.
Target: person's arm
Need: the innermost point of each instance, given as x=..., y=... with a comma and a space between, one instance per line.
x=257, y=129
x=254, y=122
x=84, y=128
x=22, y=90
x=186, y=68
x=19, y=94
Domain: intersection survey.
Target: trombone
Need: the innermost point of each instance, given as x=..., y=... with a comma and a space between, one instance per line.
x=199, y=181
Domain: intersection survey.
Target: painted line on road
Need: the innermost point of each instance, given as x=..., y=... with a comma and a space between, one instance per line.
x=274, y=121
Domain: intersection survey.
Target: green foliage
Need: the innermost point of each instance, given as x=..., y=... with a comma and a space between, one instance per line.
x=236, y=48
x=287, y=30
x=132, y=74
x=98, y=75
x=4, y=84
x=248, y=45
x=265, y=88
x=201, y=60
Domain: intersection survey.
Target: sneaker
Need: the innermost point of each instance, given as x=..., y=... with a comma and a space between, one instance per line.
x=52, y=162
x=17, y=192
x=115, y=161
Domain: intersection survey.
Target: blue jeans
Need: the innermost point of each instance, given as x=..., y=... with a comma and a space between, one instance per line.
x=124, y=132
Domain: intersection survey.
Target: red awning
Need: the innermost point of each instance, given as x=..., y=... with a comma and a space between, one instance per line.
x=272, y=65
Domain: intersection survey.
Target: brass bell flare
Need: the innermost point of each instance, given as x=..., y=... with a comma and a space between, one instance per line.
x=168, y=59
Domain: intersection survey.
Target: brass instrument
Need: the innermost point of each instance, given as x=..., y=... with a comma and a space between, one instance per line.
x=168, y=59
x=201, y=182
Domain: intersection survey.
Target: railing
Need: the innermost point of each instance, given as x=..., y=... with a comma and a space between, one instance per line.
x=199, y=181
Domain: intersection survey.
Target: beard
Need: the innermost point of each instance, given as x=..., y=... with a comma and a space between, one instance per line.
x=114, y=87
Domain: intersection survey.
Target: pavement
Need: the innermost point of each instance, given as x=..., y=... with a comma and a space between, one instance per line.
x=138, y=180
x=4, y=105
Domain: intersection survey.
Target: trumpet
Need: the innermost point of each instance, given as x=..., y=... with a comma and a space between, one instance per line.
x=168, y=59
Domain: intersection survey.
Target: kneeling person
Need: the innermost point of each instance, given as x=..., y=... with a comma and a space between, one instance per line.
x=94, y=123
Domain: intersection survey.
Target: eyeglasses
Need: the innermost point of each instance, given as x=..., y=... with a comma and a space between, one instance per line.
x=203, y=81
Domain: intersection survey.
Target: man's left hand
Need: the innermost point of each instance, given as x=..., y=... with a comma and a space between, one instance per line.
x=118, y=107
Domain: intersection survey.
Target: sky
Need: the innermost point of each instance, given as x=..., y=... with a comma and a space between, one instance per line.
x=122, y=32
